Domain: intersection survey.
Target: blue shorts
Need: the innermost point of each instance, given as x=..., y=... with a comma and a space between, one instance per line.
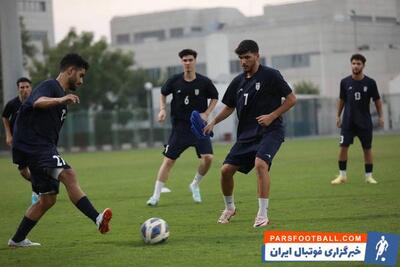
x=44, y=167
x=347, y=137
x=181, y=139
x=244, y=154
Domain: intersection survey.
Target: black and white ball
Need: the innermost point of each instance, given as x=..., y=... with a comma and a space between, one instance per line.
x=154, y=231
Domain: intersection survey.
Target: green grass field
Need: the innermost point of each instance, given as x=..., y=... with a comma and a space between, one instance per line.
x=301, y=199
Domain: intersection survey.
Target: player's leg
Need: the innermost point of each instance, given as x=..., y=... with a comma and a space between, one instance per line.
x=48, y=188
x=205, y=153
x=346, y=139
x=227, y=185
x=78, y=197
x=267, y=150
x=366, y=143
x=176, y=145
x=26, y=174
x=162, y=177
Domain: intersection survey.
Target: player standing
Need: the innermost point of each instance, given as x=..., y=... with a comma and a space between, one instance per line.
x=36, y=134
x=24, y=86
x=190, y=91
x=356, y=92
x=256, y=94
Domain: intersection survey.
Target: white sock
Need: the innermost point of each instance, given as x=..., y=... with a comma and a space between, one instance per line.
x=229, y=203
x=342, y=173
x=368, y=174
x=197, y=179
x=157, y=189
x=263, y=207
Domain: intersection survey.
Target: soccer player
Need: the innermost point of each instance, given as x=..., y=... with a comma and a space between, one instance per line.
x=256, y=94
x=356, y=92
x=36, y=133
x=190, y=91
x=24, y=86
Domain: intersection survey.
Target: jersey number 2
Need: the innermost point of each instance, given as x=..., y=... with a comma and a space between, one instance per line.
x=60, y=160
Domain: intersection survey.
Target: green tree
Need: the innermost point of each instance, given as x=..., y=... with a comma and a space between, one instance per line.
x=306, y=88
x=111, y=81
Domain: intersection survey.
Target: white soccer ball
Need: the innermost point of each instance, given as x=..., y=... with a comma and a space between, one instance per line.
x=154, y=231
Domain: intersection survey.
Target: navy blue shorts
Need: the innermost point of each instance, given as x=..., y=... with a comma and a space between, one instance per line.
x=181, y=139
x=244, y=154
x=347, y=137
x=44, y=167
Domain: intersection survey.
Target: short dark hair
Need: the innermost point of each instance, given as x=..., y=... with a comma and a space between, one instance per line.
x=23, y=80
x=358, y=57
x=246, y=46
x=187, y=52
x=74, y=60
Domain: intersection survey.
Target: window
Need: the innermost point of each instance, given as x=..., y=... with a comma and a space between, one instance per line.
x=291, y=61
x=142, y=36
x=32, y=6
x=390, y=20
x=38, y=36
x=172, y=70
x=123, y=38
x=154, y=74
x=196, y=29
x=176, y=32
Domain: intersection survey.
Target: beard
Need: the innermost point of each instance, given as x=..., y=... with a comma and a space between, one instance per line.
x=71, y=85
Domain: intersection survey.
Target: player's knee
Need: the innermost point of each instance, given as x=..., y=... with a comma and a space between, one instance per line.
x=169, y=162
x=47, y=201
x=25, y=173
x=261, y=165
x=226, y=171
x=207, y=158
x=68, y=177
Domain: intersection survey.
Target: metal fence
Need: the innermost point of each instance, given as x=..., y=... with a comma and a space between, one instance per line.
x=126, y=129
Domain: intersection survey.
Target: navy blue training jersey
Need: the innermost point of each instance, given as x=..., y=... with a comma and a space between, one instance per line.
x=357, y=96
x=10, y=111
x=258, y=95
x=188, y=96
x=36, y=129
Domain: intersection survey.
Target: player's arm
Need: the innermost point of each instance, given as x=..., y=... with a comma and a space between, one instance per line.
x=44, y=102
x=378, y=105
x=211, y=106
x=339, y=109
x=288, y=103
x=222, y=115
x=163, y=106
x=6, y=123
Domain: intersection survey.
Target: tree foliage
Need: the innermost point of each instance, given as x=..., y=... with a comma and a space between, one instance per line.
x=306, y=88
x=111, y=81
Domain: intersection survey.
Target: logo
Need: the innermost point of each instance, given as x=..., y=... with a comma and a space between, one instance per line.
x=350, y=88
x=258, y=86
x=196, y=91
x=382, y=248
x=179, y=91
x=268, y=155
x=365, y=88
x=240, y=90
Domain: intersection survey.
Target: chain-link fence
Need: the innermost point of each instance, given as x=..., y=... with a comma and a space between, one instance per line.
x=126, y=129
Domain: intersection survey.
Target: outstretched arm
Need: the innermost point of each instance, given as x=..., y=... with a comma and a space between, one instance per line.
x=48, y=102
x=267, y=119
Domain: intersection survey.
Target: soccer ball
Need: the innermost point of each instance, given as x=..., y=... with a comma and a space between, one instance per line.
x=154, y=231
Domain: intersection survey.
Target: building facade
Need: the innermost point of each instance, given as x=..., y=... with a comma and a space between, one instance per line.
x=310, y=40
